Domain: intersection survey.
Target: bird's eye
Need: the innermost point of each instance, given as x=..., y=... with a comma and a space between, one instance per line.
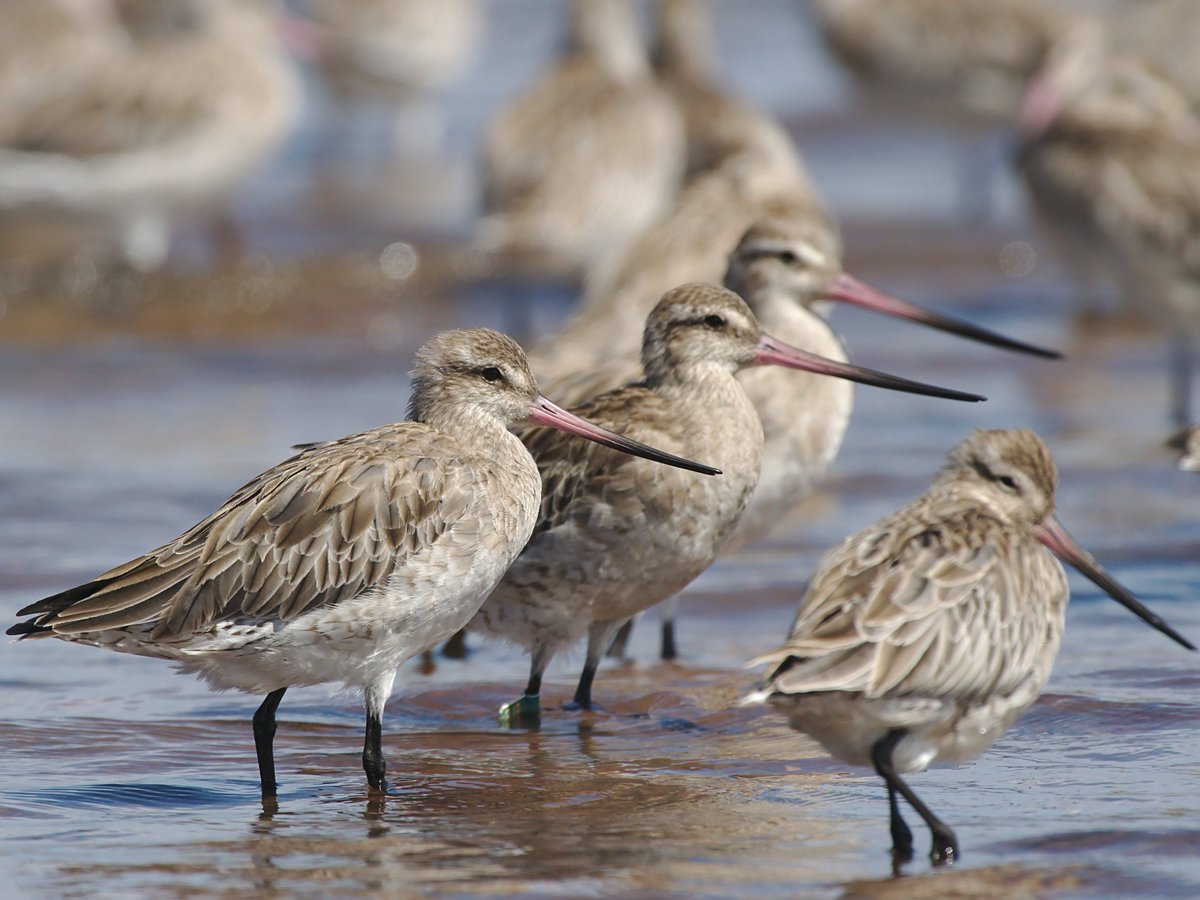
x=1007, y=482
x=491, y=373
x=788, y=258
x=714, y=321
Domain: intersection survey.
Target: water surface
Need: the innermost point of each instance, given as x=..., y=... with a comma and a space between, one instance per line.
x=123, y=426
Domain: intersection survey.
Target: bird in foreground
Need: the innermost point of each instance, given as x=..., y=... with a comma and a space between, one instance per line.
x=589, y=154
x=787, y=269
x=613, y=539
x=342, y=562
x=925, y=636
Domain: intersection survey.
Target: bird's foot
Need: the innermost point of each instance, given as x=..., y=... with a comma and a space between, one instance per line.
x=902, y=842
x=576, y=706
x=945, y=848
x=525, y=710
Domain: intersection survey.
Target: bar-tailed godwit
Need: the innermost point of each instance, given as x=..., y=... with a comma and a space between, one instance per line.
x=1111, y=157
x=614, y=539
x=925, y=636
x=589, y=154
x=342, y=562
x=169, y=122
x=786, y=268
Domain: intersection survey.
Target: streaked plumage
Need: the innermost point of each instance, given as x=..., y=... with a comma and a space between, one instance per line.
x=925, y=636
x=167, y=122
x=787, y=269
x=589, y=154
x=342, y=562
x=612, y=538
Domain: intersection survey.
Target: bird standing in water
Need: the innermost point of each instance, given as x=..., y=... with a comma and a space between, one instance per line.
x=354, y=555
x=614, y=539
x=925, y=636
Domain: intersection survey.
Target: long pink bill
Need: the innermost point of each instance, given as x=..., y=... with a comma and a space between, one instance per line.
x=1054, y=536
x=848, y=289
x=552, y=415
x=776, y=353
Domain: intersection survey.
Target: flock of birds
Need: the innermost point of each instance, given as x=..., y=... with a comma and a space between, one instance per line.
x=921, y=638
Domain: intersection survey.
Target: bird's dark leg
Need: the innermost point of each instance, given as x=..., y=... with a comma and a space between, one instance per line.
x=902, y=839
x=1181, y=365
x=945, y=844
x=620, y=641
x=373, y=762
x=456, y=646
x=264, y=739
x=375, y=696
x=669, y=649
x=527, y=709
x=600, y=635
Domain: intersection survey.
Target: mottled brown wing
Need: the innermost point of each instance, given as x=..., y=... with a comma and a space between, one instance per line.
x=917, y=606
x=319, y=528
x=580, y=385
x=575, y=471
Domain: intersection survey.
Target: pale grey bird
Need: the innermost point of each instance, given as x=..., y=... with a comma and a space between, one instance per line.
x=925, y=636
x=354, y=555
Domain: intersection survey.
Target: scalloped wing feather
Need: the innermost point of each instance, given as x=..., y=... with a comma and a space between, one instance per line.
x=922, y=605
x=332, y=521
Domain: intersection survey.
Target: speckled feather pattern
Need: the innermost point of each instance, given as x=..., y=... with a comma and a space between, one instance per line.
x=943, y=618
x=343, y=561
x=615, y=538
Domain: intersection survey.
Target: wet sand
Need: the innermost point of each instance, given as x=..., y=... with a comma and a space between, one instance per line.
x=125, y=420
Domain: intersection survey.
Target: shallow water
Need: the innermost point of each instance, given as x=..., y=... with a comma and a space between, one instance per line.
x=120, y=778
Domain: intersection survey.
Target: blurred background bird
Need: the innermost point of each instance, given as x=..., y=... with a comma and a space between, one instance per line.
x=180, y=106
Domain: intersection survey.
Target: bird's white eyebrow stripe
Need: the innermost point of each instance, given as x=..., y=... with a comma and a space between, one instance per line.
x=806, y=251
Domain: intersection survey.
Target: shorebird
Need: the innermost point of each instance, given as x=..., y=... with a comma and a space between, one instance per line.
x=342, y=562
x=399, y=52
x=718, y=124
x=788, y=270
x=45, y=39
x=691, y=243
x=589, y=154
x=613, y=539
x=925, y=636
x=961, y=65
x=1111, y=157
x=195, y=99
x=963, y=61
